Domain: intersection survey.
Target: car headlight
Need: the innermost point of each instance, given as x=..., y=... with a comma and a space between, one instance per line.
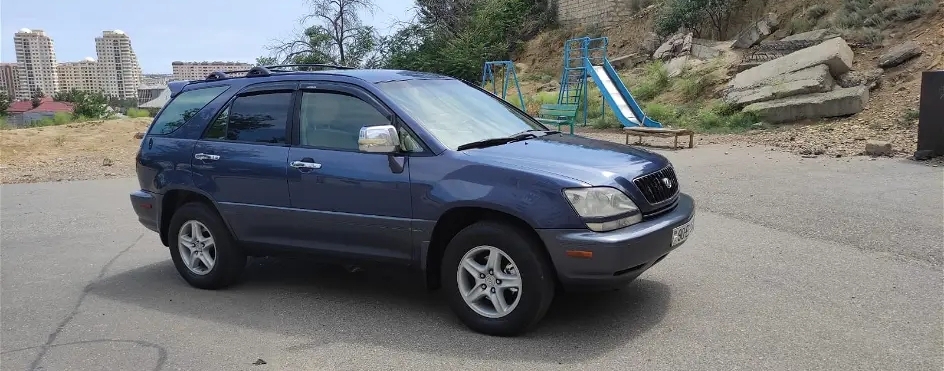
x=603, y=208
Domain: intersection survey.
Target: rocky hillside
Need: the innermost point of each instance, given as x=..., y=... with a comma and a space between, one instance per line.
x=818, y=78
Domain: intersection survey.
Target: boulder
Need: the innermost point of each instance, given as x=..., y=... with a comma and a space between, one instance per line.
x=744, y=66
x=899, y=54
x=839, y=102
x=878, y=148
x=815, y=79
x=834, y=53
x=678, y=44
x=627, y=61
x=756, y=32
x=871, y=78
x=704, y=49
x=650, y=43
x=815, y=35
x=676, y=66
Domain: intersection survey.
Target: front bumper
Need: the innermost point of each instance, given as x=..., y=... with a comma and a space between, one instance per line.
x=618, y=256
x=146, y=205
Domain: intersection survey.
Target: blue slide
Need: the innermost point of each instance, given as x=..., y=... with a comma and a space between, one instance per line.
x=617, y=96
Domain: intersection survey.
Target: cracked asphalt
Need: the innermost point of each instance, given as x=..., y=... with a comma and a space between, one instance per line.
x=825, y=263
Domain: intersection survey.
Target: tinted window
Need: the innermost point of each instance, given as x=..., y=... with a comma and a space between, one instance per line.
x=260, y=118
x=334, y=120
x=183, y=107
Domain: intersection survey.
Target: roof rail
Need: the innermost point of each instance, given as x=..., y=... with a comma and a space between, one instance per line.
x=260, y=71
x=319, y=65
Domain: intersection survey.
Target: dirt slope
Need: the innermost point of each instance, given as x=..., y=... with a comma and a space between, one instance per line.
x=82, y=151
x=889, y=115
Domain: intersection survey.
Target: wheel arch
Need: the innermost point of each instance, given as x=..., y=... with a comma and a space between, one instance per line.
x=457, y=218
x=175, y=198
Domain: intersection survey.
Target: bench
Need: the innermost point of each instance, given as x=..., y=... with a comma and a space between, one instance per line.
x=660, y=132
x=558, y=114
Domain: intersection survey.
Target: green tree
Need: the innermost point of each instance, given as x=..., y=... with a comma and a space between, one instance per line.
x=266, y=61
x=37, y=98
x=703, y=17
x=4, y=103
x=454, y=37
x=122, y=104
x=85, y=104
x=337, y=37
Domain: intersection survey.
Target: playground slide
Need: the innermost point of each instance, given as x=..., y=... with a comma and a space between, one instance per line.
x=617, y=96
x=622, y=107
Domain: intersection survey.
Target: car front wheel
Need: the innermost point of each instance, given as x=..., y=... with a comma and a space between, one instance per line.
x=202, y=248
x=497, y=279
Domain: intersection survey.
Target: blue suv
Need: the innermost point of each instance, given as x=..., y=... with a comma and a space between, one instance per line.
x=406, y=168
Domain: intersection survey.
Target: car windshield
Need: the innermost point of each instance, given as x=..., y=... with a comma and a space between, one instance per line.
x=456, y=113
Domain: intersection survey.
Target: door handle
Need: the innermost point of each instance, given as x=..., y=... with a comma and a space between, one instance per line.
x=206, y=157
x=305, y=165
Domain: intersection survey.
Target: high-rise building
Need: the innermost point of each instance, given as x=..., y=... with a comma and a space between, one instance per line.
x=36, y=63
x=85, y=75
x=200, y=70
x=9, y=79
x=121, y=73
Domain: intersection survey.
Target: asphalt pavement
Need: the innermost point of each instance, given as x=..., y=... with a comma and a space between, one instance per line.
x=826, y=263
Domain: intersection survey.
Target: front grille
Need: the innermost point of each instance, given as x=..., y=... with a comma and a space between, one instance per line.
x=658, y=186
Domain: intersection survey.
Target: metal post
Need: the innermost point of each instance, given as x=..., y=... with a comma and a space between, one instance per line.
x=931, y=116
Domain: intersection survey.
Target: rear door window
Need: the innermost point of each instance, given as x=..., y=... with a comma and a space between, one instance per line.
x=183, y=107
x=256, y=118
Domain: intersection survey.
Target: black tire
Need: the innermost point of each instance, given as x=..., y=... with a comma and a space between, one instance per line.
x=533, y=268
x=230, y=260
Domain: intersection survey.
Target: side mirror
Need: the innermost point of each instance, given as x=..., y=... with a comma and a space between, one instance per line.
x=378, y=139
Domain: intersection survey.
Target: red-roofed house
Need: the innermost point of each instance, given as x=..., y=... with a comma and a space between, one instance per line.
x=22, y=112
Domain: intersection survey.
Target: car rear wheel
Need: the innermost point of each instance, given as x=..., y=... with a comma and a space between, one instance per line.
x=497, y=279
x=202, y=248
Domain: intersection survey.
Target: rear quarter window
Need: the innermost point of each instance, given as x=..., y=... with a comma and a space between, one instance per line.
x=183, y=107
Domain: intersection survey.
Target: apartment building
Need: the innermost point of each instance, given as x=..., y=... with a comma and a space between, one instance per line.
x=37, y=69
x=120, y=71
x=85, y=75
x=200, y=70
x=9, y=79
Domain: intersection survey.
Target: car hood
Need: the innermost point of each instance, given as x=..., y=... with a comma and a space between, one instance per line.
x=592, y=161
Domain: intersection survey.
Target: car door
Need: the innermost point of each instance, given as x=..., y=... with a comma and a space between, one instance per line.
x=241, y=162
x=347, y=201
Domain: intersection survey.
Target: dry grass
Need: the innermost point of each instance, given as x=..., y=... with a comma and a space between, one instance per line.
x=70, y=152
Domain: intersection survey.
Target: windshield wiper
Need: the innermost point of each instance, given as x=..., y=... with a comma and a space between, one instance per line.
x=505, y=140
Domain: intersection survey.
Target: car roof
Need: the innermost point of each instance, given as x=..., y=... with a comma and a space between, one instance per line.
x=376, y=76
x=371, y=76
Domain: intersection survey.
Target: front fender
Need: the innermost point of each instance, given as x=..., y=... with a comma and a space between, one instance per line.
x=441, y=183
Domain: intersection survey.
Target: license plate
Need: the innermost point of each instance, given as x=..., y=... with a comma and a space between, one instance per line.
x=681, y=233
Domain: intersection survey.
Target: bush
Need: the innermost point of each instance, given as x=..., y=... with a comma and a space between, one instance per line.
x=533, y=103
x=909, y=12
x=59, y=118
x=815, y=12
x=911, y=114
x=876, y=14
x=605, y=122
x=798, y=25
x=655, y=82
x=694, y=85
x=703, y=17
x=137, y=112
x=714, y=118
